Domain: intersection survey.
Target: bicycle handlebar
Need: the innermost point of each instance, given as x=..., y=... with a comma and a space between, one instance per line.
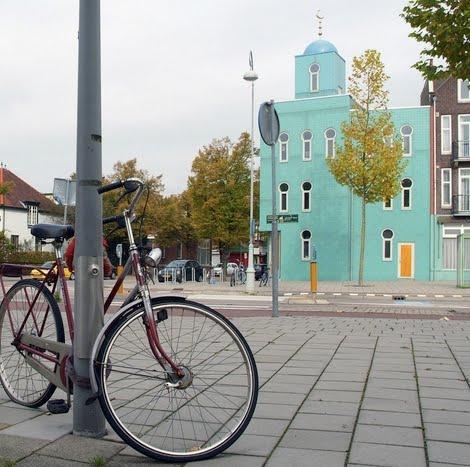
x=111, y=186
x=108, y=220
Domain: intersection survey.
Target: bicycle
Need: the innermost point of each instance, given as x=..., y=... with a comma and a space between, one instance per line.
x=175, y=379
x=263, y=281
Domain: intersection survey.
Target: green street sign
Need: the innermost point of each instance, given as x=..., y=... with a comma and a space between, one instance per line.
x=283, y=218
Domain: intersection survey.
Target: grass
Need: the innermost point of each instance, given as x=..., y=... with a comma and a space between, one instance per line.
x=98, y=461
x=6, y=462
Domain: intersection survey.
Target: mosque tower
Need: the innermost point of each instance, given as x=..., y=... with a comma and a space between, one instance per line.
x=320, y=70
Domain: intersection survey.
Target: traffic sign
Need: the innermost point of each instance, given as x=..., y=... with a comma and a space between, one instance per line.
x=268, y=122
x=282, y=218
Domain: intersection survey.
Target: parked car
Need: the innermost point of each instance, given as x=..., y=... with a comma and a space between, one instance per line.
x=218, y=269
x=179, y=269
x=259, y=270
x=41, y=271
x=231, y=267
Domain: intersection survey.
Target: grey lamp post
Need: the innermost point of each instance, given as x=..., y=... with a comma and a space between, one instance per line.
x=251, y=77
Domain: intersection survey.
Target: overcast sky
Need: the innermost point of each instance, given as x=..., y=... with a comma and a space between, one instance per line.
x=171, y=74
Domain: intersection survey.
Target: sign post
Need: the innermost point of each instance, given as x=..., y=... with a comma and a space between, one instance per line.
x=88, y=419
x=269, y=128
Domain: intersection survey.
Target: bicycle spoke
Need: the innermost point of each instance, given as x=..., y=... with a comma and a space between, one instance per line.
x=178, y=421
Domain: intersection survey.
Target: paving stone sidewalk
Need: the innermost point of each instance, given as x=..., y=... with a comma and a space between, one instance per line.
x=334, y=392
x=398, y=287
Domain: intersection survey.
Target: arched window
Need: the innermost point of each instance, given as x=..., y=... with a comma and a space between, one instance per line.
x=307, y=145
x=406, y=185
x=406, y=133
x=283, y=147
x=330, y=137
x=387, y=236
x=306, y=196
x=283, y=197
x=305, y=238
x=314, y=77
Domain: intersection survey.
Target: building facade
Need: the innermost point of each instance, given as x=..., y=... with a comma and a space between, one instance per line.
x=449, y=99
x=322, y=218
x=21, y=207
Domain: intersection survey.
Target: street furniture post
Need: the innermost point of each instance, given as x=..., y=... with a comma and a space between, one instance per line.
x=268, y=121
x=88, y=419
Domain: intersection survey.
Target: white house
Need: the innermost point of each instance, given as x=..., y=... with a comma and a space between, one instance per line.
x=21, y=207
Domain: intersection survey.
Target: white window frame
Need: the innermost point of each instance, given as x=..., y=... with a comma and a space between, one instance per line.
x=303, y=191
x=385, y=208
x=327, y=139
x=460, y=142
x=281, y=194
x=283, y=144
x=302, y=243
x=449, y=182
x=409, y=154
x=33, y=215
x=459, y=93
x=312, y=73
x=449, y=130
x=310, y=145
x=410, y=207
x=384, y=240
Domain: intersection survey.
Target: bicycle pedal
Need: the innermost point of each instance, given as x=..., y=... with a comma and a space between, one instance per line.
x=56, y=406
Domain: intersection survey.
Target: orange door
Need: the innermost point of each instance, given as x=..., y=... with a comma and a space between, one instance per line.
x=406, y=260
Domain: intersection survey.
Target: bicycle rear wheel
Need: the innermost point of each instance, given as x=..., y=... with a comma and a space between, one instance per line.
x=22, y=383
x=214, y=402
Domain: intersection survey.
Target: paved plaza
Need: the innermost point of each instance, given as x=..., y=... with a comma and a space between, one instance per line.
x=334, y=391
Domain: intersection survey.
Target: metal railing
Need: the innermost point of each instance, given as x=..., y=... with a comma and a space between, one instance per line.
x=461, y=150
x=461, y=205
x=209, y=275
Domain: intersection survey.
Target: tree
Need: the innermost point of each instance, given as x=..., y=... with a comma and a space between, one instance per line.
x=113, y=205
x=370, y=162
x=174, y=220
x=219, y=192
x=444, y=26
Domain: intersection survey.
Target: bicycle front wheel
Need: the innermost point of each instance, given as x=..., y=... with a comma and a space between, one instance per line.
x=22, y=383
x=192, y=418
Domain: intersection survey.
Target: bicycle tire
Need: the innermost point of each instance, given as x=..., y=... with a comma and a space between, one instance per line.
x=145, y=420
x=28, y=387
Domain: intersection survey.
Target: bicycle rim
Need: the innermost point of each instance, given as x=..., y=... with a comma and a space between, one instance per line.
x=22, y=383
x=191, y=423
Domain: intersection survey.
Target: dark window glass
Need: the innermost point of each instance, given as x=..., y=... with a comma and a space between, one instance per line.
x=387, y=249
x=306, y=201
x=406, y=198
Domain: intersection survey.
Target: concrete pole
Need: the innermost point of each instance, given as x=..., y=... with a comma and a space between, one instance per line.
x=251, y=77
x=250, y=272
x=274, y=232
x=88, y=420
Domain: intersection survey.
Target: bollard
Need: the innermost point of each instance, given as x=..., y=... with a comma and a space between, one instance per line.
x=313, y=277
x=121, y=287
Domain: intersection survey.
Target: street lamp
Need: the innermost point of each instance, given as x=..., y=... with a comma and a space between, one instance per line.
x=251, y=77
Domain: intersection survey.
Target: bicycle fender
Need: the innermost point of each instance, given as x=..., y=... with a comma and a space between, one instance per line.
x=123, y=312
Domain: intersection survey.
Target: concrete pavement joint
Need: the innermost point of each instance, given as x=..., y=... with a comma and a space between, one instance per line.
x=426, y=454
x=306, y=396
x=356, y=422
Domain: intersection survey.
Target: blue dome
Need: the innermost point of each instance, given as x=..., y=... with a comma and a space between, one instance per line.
x=320, y=46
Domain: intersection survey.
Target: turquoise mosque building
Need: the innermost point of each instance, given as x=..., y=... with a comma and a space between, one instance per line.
x=322, y=219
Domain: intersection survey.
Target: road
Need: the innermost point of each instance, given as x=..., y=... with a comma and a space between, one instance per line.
x=334, y=305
